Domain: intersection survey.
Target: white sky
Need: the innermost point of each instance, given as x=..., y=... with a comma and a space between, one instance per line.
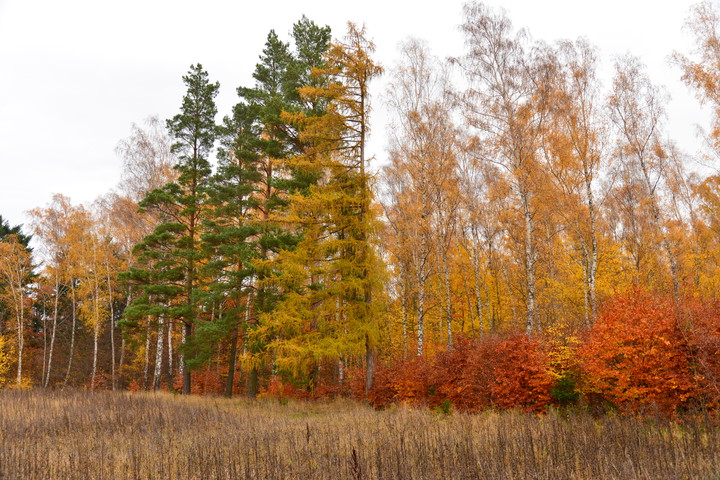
x=75, y=74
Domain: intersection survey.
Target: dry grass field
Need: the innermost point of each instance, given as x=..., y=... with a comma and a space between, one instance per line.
x=82, y=435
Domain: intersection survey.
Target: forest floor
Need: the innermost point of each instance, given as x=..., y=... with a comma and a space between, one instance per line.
x=105, y=435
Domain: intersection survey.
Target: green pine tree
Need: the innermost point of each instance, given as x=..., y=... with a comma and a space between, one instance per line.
x=249, y=194
x=168, y=258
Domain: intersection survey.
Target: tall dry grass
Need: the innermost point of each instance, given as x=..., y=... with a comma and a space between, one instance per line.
x=81, y=435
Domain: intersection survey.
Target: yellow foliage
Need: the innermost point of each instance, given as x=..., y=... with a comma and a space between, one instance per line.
x=6, y=356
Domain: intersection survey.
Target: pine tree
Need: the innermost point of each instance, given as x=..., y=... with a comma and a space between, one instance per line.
x=169, y=257
x=249, y=192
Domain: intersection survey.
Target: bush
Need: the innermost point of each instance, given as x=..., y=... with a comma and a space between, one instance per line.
x=636, y=356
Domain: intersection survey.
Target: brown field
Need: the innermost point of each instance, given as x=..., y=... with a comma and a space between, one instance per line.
x=82, y=435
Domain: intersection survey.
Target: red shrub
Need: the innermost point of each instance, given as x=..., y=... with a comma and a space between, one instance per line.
x=700, y=324
x=400, y=381
x=636, y=356
x=465, y=375
x=473, y=376
x=521, y=374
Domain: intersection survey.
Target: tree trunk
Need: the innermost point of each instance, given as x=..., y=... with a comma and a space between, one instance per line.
x=448, y=302
x=72, y=333
x=421, y=312
x=231, y=362
x=170, y=376
x=478, y=297
x=112, y=329
x=52, y=337
x=159, y=351
x=20, y=329
x=146, y=360
x=187, y=380
x=530, y=261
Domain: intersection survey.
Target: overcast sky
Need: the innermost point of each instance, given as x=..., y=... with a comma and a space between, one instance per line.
x=75, y=74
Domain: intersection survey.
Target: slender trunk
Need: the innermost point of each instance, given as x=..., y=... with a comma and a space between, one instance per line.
x=448, y=303
x=121, y=362
x=159, y=351
x=146, y=365
x=20, y=329
x=181, y=359
x=52, y=336
x=369, y=363
x=187, y=381
x=72, y=332
x=478, y=297
x=421, y=312
x=45, y=347
x=592, y=270
x=530, y=260
x=404, y=308
x=96, y=326
x=96, y=335
x=170, y=376
x=252, y=379
x=232, y=361
x=112, y=328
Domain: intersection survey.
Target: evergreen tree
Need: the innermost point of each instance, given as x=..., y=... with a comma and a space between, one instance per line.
x=169, y=257
x=248, y=194
x=6, y=229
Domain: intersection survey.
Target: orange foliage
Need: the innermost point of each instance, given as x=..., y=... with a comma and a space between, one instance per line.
x=522, y=378
x=636, y=356
x=475, y=375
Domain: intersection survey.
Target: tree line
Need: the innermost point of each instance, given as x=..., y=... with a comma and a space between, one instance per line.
x=519, y=195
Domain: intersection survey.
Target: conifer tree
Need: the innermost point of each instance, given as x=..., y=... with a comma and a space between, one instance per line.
x=168, y=258
x=249, y=192
x=330, y=312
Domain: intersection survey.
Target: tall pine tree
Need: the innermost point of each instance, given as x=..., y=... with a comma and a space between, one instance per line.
x=248, y=195
x=168, y=258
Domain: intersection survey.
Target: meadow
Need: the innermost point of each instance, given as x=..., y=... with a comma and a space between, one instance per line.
x=76, y=434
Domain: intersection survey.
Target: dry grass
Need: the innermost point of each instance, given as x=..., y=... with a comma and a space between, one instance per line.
x=80, y=435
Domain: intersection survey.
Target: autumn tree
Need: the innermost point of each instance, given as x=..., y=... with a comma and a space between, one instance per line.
x=332, y=307
x=422, y=205
x=575, y=154
x=15, y=274
x=506, y=105
x=637, y=111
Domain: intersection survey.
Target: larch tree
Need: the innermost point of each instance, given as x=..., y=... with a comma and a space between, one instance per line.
x=333, y=307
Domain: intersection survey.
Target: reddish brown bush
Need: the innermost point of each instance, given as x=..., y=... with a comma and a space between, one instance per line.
x=522, y=379
x=636, y=356
x=473, y=376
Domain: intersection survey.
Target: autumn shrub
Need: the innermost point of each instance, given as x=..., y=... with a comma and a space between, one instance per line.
x=522, y=379
x=636, y=356
x=207, y=381
x=282, y=390
x=401, y=381
x=465, y=375
x=700, y=326
x=474, y=375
